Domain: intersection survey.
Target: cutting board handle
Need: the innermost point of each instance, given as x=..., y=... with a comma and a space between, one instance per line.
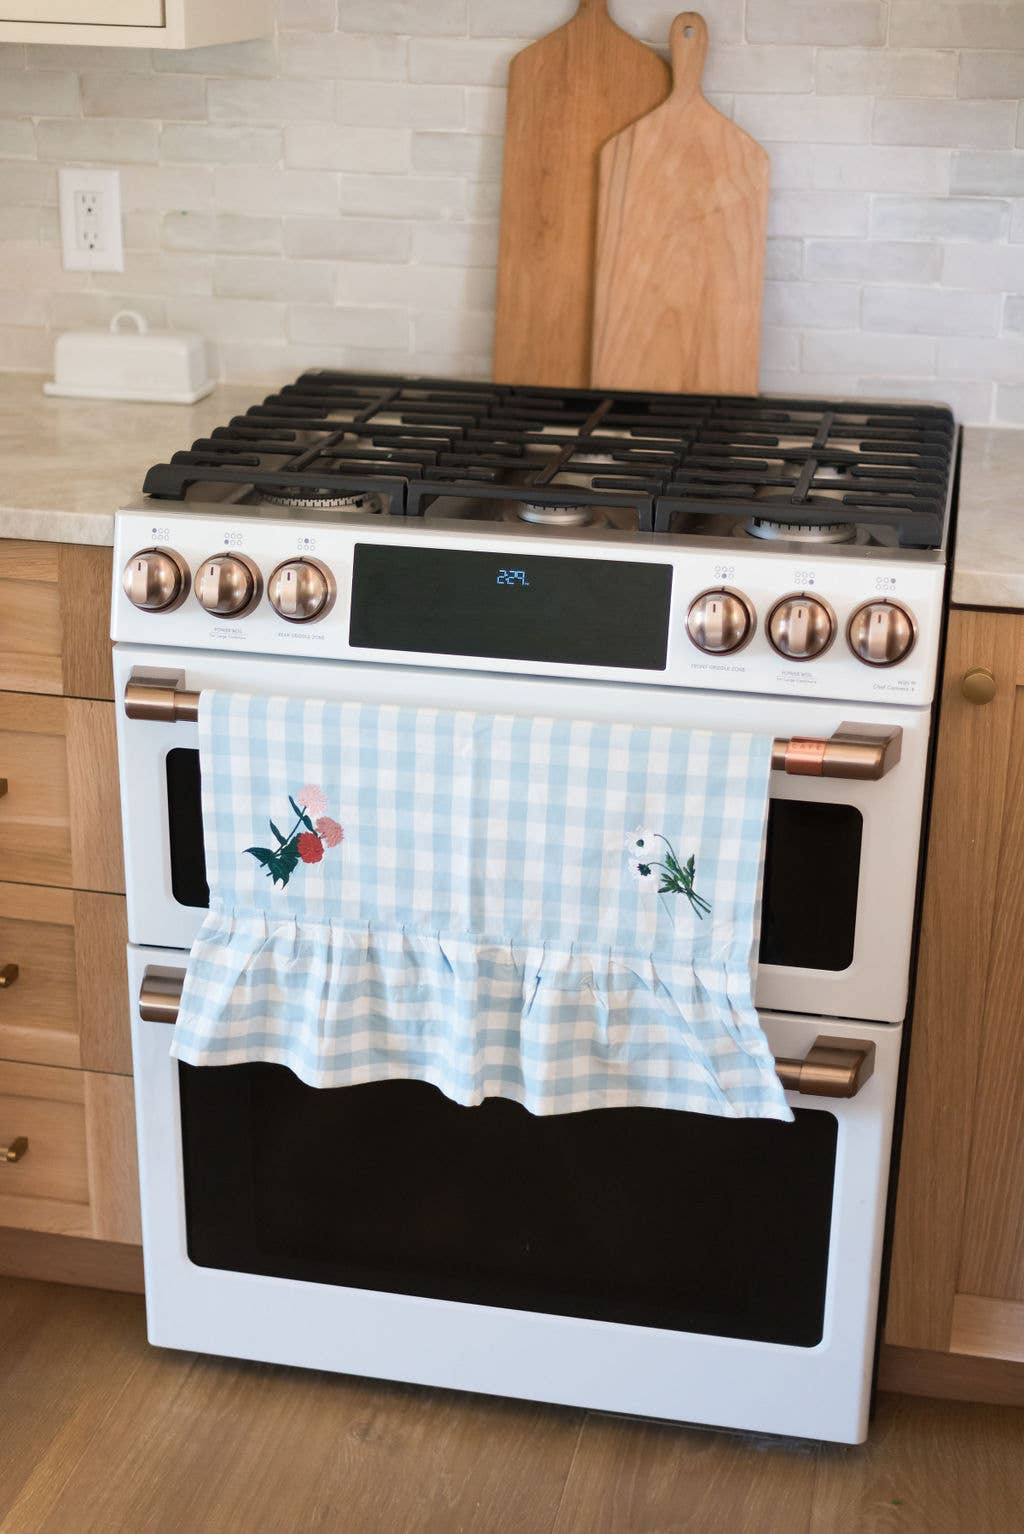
x=688, y=41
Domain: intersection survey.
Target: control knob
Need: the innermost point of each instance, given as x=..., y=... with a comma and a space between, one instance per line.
x=155, y=580
x=301, y=590
x=227, y=585
x=720, y=621
x=801, y=627
x=881, y=633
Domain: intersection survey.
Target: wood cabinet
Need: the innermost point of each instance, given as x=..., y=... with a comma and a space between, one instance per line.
x=65, y=1046
x=957, y=1281
x=134, y=23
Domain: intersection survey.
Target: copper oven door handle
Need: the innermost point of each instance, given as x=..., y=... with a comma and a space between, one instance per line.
x=859, y=751
x=832, y=1067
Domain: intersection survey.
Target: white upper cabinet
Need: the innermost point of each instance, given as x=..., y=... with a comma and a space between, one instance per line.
x=134, y=23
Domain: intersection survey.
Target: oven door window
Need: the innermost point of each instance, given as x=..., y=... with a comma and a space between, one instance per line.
x=636, y=1215
x=186, y=851
x=811, y=879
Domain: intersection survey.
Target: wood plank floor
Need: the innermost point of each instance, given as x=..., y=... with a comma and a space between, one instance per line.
x=101, y=1434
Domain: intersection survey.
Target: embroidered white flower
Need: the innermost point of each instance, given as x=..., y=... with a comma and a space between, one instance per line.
x=642, y=843
x=655, y=865
x=645, y=874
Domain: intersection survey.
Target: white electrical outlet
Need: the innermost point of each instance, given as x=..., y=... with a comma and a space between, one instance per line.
x=90, y=220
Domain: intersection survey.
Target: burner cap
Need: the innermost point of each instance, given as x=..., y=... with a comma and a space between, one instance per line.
x=556, y=516
x=800, y=532
x=322, y=500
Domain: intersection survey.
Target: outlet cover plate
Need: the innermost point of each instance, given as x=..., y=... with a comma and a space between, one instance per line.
x=107, y=253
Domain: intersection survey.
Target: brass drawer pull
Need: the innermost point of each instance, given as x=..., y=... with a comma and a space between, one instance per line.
x=8, y=974
x=15, y=1150
x=978, y=685
x=864, y=751
x=831, y=1068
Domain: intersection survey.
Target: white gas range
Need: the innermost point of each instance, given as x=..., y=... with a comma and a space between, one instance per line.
x=766, y=565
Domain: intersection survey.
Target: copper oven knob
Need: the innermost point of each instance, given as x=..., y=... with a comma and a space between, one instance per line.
x=301, y=590
x=155, y=580
x=801, y=627
x=227, y=585
x=881, y=633
x=720, y=621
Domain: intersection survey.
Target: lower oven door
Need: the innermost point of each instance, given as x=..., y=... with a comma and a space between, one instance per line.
x=841, y=864
x=633, y=1260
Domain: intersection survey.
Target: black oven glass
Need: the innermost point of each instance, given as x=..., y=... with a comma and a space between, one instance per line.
x=806, y=843
x=512, y=606
x=637, y=1215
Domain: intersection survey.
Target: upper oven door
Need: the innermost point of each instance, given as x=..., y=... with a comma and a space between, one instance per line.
x=841, y=854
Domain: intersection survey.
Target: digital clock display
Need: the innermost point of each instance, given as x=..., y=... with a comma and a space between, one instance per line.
x=585, y=612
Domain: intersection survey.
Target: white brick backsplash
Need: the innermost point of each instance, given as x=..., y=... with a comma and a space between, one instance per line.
x=271, y=101
x=402, y=196
x=428, y=17
x=221, y=145
x=999, y=75
x=377, y=102
x=222, y=232
x=879, y=72
x=930, y=312
x=939, y=218
x=956, y=124
x=329, y=196
x=805, y=21
x=826, y=351
x=872, y=261
x=309, y=282
x=356, y=326
x=1013, y=313
x=963, y=357
x=874, y=168
x=330, y=146
x=468, y=61
x=349, y=239
x=462, y=244
x=17, y=141
x=811, y=213
x=42, y=93
x=807, y=119
x=128, y=95
x=997, y=174
x=477, y=155
x=816, y=305
x=342, y=56
x=70, y=141
x=992, y=269
x=1009, y=404
x=241, y=189
x=956, y=24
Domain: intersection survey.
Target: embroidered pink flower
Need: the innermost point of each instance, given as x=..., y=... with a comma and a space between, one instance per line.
x=311, y=848
x=313, y=800
x=329, y=830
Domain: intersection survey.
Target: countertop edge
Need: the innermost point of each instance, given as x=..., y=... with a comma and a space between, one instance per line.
x=43, y=525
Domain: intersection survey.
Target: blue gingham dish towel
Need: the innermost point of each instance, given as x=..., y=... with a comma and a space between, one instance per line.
x=559, y=911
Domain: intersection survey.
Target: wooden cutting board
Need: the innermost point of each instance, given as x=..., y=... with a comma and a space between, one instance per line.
x=567, y=94
x=679, y=257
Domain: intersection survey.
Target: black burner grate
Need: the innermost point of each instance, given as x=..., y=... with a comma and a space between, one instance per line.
x=411, y=440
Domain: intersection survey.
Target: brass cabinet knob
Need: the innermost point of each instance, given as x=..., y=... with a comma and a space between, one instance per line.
x=8, y=974
x=15, y=1150
x=978, y=685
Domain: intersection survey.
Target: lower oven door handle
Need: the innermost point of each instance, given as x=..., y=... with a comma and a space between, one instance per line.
x=831, y=1068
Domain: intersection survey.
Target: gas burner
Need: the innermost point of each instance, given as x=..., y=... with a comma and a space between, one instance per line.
x=775, y=530
x=323, y=500
x=556, y=516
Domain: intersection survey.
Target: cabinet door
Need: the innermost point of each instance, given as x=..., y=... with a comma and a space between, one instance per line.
x=55, y=618
x=63, y=979
x=111, y=13
x=60, y=818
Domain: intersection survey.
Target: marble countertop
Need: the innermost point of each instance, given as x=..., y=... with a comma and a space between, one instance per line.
x=67, y=465
x=988, y=561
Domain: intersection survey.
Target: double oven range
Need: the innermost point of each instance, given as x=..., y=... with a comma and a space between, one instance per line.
x=756, y=564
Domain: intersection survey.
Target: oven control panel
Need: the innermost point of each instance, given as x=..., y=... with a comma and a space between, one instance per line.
x=857, y=623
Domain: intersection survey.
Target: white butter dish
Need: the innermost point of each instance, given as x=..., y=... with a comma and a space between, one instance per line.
x=164, y=366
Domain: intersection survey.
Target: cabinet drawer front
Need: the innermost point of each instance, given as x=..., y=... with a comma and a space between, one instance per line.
x=60, y=816
x=54, y=619
x=48, y=1189
x=66, y=1000
x=111, y=13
